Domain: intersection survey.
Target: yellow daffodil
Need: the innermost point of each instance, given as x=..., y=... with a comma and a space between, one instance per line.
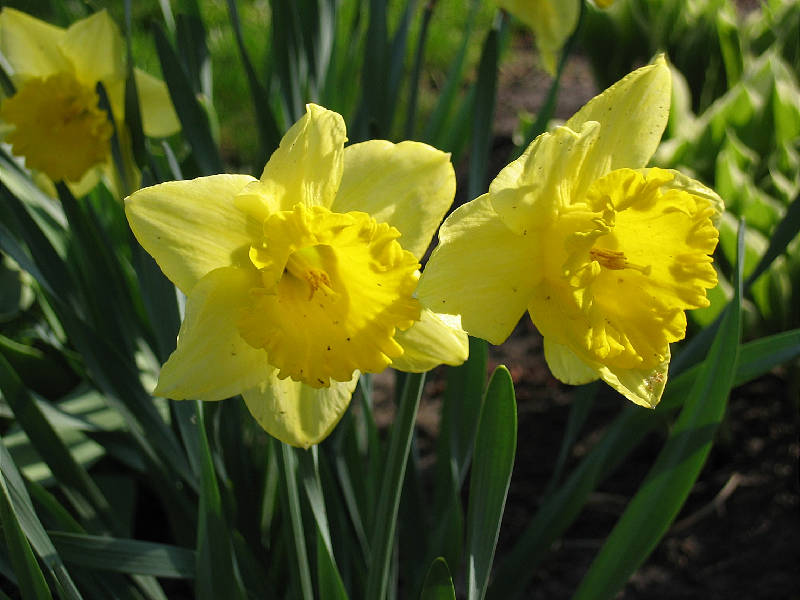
x=53, y=119
x=552, y=22
x=298, y=281
x=605, y=254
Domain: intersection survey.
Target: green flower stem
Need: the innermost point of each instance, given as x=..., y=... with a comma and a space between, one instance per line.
x=384, y=525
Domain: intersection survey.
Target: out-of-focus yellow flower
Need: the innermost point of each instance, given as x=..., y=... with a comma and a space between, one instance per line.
x=605, y=254
x=53, y=119
x=552, y=22
x=301, y=279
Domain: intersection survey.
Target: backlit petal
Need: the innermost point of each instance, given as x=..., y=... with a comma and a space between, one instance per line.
x=409, y=185
x=481, y=270
x=566, y=366
x=192, y=227
x=530, y=192
x=432, y=341
x=212, y=361
x=641, y=386
x=307, y=167
x=31, y=45
x=95, y=48
x=632, y=114
x=297, y=414
x=158, y=114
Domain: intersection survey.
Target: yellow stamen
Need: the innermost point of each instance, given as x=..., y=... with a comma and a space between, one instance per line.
x=304, y=265
x=612, y=259
x=58, y=126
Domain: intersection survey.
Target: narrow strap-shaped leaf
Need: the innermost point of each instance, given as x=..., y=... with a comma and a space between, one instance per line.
x=485, y=98
x=493, y=462
x=582, y=402
x=461, y=410
x=297, y=539
x=81, y=489
x=438, y=583
x=416, y=70
x=28, y=521
x=125, y=556
x=30, y=578
x=194, y=120
x=330, y=582
x=385, y=522
x=288, y=56
x=444, y=105
x=118, y=152
x=785, y=231
x=216, y=564
x=133, y=114
x=269, y=133
x=678, y=465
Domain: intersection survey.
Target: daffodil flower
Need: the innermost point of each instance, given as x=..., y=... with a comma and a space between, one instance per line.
x=552, y=22
x=605, y=254
x=53, y=119
x=301, y=279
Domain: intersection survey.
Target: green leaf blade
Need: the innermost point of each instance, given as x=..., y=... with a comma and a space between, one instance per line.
x=493, y=462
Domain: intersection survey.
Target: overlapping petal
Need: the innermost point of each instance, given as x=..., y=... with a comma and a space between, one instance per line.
x=478, y=264
x=297, y=414
x=212, y=361
x=31, y=46
x=434, y=340
x=192, y=227
x=409, y=185
x=95, y=49
x=633, y=113
x=307, y=166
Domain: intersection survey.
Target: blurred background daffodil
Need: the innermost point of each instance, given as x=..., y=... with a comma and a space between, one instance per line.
x=54, y=118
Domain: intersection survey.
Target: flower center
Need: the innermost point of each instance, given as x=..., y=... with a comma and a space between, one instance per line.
x=58, y=126
x=616, y=261
x=334, y=290
x=617, y=294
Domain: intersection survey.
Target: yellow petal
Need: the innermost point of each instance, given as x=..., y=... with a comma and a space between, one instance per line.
x=31, y=45
x=632, y=114
x=695, y=188
x=307, y=167
x=481, y=270
x=95, y=48
x=409, y=185
x=552, y=22
x=531, y=191
x=641, y=386
x=432, y=341
x=192, y=227
x=212, y=361
x=158, y=114
x=566, y=366
x=297, y=414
